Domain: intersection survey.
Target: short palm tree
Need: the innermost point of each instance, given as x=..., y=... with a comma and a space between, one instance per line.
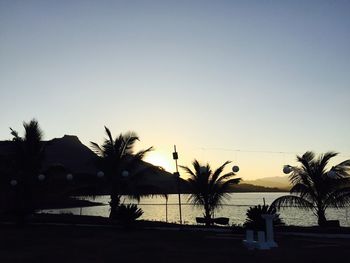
x=114, y=157
x=256, y=221
x=316, y=188
x=208, y=188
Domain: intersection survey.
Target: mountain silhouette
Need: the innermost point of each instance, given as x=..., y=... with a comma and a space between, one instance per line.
x=74, y=157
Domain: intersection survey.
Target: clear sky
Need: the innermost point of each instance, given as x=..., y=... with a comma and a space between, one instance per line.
x=212, y=77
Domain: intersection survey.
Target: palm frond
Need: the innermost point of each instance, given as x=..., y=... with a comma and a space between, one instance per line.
x=339, y=198
x=96, y=149
x=141, y=154
x=33, y=131
x=109, y=134
x=227, y=176
x=187, y=170
x=218, y=171
x=15, y=135
x=129, y=140
x=304, y=191
x=307, y=157
x=323, y=160
x=342, y=169
x=306, y=160
x=291, y=200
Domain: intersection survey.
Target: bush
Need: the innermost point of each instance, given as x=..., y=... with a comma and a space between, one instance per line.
x=127, y=214
x=254, y=217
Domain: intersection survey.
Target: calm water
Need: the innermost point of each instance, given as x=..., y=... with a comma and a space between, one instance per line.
x=235, y=208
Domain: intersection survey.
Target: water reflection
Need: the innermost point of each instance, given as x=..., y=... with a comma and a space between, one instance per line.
x=235, y=209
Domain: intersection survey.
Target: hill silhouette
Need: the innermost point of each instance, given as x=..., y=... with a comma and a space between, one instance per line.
x=281, y=182
x=74, y=157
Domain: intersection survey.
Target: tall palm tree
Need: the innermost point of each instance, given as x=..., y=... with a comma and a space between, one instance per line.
x=208, y=188
x=316, y=188
x=114, y=157
x=26, y=164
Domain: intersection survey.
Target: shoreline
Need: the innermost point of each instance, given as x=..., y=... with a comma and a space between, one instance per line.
x=98, y=221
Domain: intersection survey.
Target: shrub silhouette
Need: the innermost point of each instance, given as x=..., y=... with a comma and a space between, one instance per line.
x=254, y=217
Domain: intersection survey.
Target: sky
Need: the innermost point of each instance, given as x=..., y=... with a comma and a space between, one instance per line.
x=254, y=82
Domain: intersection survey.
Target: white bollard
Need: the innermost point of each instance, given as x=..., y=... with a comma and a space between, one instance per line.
x=269, y=230
x=262, y=244
x=249, y=242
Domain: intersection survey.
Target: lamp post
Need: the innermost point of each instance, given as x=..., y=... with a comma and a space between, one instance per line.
x=177, y=175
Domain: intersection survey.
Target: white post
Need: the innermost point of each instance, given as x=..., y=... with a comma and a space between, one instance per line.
x=249, y=242
x=262, y=244
x=269, y=230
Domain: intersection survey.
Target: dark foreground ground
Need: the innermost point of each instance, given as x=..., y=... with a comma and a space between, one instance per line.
x=69, y=243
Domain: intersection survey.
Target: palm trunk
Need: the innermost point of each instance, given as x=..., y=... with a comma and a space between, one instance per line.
x=115, y=201
x=114, y=204
x=207, y=215
x=321, y=215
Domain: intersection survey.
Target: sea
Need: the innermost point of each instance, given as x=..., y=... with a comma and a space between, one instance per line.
x=158, y=208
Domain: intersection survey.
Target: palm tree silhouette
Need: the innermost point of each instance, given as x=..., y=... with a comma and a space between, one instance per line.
x=316, y=188
x=208, y=188
x=26, y=164
x=115, y=157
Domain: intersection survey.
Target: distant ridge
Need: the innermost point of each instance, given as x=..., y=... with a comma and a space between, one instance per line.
x=281, y=182
x=69, y=152
x=77, y=158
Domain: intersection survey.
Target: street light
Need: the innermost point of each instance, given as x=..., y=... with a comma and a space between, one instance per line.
x=177, y=175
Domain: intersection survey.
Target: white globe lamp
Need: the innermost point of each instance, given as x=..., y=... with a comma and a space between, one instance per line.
x=100, y=174
x=13, y=182
x=41, y=177
x=287, y=169
x=69, y=177
x=235, y=169
x=125, y=173
x=332, y=174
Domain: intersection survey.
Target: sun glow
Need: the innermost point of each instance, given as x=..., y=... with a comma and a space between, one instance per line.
x=159, y=159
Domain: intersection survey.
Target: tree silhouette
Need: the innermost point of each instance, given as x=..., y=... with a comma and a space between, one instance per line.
x=208, y=188
x=116, y=158
x=255, y=220
x=26, y=164
x=316, y=188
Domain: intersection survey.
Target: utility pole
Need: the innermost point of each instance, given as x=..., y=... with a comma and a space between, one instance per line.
x=177, y=174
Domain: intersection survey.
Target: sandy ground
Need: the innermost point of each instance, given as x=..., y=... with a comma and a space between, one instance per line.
x=105, y=244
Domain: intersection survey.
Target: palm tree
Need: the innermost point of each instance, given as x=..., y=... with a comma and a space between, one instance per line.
x=208, y=188
x=115, y=156
x=26, y=164
x=316, y=188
